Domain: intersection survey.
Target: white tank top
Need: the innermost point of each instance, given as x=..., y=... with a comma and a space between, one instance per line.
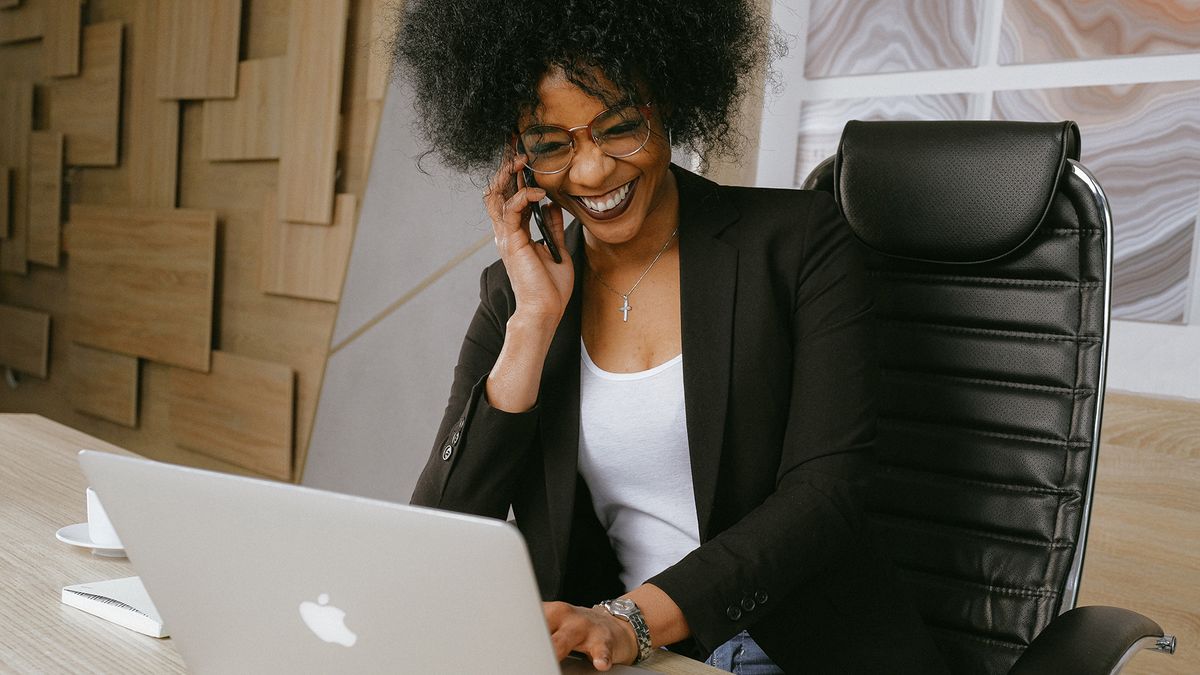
x=633, y=453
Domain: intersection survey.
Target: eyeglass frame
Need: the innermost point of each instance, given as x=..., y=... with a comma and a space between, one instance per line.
x=644, y=109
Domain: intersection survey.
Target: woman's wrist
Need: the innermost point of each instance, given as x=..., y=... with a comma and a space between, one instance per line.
x=532, y=327
x=662, y=616
x=628, y=653
x=516, y=376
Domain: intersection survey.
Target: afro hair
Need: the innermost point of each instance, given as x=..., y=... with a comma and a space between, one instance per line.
x=474, y=65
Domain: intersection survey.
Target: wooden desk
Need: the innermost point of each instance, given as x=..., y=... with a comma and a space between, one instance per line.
x=41, y=490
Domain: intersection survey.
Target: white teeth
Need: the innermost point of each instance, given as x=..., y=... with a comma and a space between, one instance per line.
x=617, y=197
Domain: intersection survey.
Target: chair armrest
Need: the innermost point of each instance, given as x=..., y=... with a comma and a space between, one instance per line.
x=1091, y=641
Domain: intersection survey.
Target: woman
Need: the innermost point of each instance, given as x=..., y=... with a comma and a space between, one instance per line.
x=679, y=413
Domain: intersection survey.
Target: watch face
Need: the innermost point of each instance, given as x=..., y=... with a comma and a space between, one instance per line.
x=624, y=605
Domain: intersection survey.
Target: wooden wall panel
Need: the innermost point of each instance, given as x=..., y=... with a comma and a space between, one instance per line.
x=140, y=281
x=5, y=200
x=152, y=154
x=87, y=108
x=161, y=164
x=16, y=119
x=45, y=196
x=104, y=384
x=198, y=48
x=241, y=412
x=25, y=340
x=312, y=99
x=22, y=22
x=304, y=260
x=247, y=127
x=63, y=23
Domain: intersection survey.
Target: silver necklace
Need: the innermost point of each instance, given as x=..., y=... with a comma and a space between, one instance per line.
x=625, y=306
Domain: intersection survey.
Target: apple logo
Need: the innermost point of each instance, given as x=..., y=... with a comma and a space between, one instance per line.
x=327, y=622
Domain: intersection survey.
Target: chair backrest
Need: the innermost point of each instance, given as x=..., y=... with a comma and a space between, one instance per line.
x=988, y=246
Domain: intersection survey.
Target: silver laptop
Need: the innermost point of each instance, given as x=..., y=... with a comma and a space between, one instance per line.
x=260, y=577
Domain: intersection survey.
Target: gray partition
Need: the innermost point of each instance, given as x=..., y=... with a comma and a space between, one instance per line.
x=411, y=288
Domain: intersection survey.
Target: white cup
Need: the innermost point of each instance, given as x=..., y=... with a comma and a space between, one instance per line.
x=100, y=528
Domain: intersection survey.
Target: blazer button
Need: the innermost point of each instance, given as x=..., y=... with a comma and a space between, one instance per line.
x=446, y=452
x=761, y=597
x=733, y=612
x=454, y=436
x=748, y=604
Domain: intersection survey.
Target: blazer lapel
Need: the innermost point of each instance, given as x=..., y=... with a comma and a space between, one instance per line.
x=708, y=280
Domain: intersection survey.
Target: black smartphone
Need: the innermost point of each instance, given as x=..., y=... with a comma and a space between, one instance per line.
x=539, y=219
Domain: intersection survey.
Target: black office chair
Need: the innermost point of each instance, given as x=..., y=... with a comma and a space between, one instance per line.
x=989, y=249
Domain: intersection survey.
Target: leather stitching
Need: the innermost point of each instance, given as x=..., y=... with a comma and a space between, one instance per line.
x=1014, y=591
x=1057, y=442
x=991, y=332
x=941, y=528
x=991, y=642
x=943, y=478
x=983, y=281
x=1075, y=393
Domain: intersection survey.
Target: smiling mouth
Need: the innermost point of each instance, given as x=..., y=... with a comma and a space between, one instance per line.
x=611, y=204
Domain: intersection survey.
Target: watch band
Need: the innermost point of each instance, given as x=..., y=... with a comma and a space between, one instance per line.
x=624, y=608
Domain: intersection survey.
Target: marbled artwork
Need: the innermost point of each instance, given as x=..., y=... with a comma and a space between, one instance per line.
x=821, y=122
x=888, y=36
x=1143, y=143
x=1037, y=31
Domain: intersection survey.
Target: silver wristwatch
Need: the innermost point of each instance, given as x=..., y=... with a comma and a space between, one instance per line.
x=624, y=608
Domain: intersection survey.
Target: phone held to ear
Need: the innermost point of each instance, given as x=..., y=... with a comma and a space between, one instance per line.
x=539, y=219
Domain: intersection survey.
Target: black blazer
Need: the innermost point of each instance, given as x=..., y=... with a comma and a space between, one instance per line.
x=779, y=395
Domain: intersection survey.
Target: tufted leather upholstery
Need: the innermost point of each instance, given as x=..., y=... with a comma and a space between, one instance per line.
x=989, y=257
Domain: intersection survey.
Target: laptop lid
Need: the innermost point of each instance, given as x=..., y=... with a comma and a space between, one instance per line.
x=262, y=577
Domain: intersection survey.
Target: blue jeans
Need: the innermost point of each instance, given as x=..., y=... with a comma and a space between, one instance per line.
x=742, y=656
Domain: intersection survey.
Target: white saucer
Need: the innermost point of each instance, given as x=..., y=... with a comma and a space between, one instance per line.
x=77, y=535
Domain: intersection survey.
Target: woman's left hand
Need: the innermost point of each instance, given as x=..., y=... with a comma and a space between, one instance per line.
x=603, y=637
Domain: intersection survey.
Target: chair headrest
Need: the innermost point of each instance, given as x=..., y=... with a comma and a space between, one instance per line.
x=953, y=192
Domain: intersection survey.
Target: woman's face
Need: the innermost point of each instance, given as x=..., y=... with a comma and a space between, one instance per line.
x=593, y=178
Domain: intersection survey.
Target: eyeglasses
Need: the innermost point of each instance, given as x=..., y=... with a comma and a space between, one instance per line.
x=619, y=132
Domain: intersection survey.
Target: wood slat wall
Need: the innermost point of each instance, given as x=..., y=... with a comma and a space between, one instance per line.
x=104, y=384
x=16, y=118
x=141, y=281
x=198, y=48
x=248, y=127
x=45, y=197
x=241, y=412
x=22, y=22
x=308, y=151
x=152, y=154
x=63, y=23
x=87, y=108
x=25, y=340
x=161, y=163
x=303, y=260
x=5, y=200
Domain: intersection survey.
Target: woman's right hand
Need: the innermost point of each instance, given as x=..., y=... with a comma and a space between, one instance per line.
x=542, y=287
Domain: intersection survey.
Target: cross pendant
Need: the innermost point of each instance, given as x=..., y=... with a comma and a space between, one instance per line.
x=624, y=309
